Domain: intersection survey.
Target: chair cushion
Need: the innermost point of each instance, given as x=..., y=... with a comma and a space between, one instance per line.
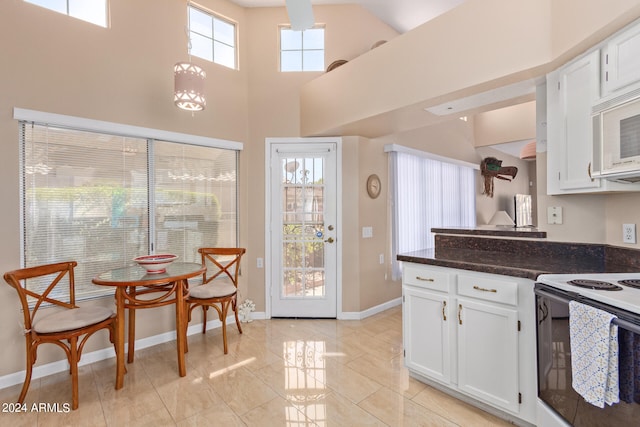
x=68, y=320
x=213, y=289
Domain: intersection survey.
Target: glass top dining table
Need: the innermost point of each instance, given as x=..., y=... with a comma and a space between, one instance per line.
x=124, y=276
x=168, y=287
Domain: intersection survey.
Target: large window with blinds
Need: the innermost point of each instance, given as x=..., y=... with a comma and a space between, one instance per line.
x=427, y=191
x=103, y=199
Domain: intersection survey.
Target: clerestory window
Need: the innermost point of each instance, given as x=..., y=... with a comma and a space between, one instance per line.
x=301, y=50
x=212, y=37
x=94, y=11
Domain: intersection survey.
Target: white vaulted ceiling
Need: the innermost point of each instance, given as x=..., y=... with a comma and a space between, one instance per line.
x=402, y=15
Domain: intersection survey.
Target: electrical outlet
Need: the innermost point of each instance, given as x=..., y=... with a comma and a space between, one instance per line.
x=629, y=233
x=260, y=263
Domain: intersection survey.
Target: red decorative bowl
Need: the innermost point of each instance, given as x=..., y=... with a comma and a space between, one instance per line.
x=155, y=263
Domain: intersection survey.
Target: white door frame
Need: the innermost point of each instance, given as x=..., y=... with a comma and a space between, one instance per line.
x=267, y=214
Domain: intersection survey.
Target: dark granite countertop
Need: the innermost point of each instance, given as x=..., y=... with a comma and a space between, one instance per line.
x=496, y=231
x=527, y=259
x=495, y=263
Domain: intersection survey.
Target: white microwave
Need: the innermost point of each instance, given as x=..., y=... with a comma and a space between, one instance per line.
x=616, y=142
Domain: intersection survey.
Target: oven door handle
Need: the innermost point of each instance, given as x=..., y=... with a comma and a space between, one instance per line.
x=624, y=324
x=545, y=312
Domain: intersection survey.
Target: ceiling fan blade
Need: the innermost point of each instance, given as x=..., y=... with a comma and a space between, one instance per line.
x=300, y=14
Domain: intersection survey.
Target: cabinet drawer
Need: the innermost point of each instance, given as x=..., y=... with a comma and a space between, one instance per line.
x=427, y=278
x=488, y=289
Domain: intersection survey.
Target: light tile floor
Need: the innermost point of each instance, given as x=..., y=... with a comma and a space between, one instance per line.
x=281, y=372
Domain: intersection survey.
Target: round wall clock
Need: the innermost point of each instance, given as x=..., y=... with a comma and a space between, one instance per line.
x=373, y=186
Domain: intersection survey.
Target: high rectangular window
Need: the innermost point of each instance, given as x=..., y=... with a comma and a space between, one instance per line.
x=212, y=37
x=301, y=50
x=94, y=11
x=102, y=199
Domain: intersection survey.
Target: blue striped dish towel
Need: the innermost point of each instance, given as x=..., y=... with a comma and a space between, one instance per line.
x=594, y=354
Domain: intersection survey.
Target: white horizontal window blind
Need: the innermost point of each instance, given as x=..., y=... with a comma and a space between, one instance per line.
x=96, y=197
x=195, y=198
x=427, y=193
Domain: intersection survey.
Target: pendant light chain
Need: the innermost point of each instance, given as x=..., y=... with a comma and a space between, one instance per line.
x=189, y=81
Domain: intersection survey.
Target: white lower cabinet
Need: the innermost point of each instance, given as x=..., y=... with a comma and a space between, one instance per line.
x=430, y=350
x=474, y=334
x=488, y=352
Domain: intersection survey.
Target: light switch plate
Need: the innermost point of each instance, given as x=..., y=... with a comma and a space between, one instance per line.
x=554, y=215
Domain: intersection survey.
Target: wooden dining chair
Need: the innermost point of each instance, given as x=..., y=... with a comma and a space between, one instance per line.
x=52, y=316
x=219, y=288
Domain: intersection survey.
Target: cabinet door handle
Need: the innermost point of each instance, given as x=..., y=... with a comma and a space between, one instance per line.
x=424, y=279
x=444, y=314
x=460, y=313
x=478, y=288
x=544, y=310
x=589, y=171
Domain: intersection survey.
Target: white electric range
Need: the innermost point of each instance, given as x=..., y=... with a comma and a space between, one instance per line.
x=620, y=295
x=558, y=404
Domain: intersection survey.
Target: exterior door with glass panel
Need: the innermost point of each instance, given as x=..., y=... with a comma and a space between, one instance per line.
x=303, y=230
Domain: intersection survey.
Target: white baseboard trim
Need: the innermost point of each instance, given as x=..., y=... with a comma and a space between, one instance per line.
x=359, y=315
x=55, y=367
x=107, y=353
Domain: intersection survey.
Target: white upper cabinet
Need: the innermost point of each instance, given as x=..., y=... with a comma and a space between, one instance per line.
x=571, y=92
x=621, y=61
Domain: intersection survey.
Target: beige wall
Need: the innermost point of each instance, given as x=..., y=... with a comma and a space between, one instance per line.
x=274, y=111
x=477, y=46
x=575, y=28
x=583, y=214
x=621, y=209
x=513, y=123
x=124, y=74
x=376, y=286
x=456, y=139
x=456, y=54
x=587, y=218
x=351, y=236
x=366, y=283
x=453, y=138
x=504, y=191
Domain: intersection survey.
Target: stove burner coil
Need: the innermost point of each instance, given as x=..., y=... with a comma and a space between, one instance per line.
x=595, y=284
x=632, y=283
